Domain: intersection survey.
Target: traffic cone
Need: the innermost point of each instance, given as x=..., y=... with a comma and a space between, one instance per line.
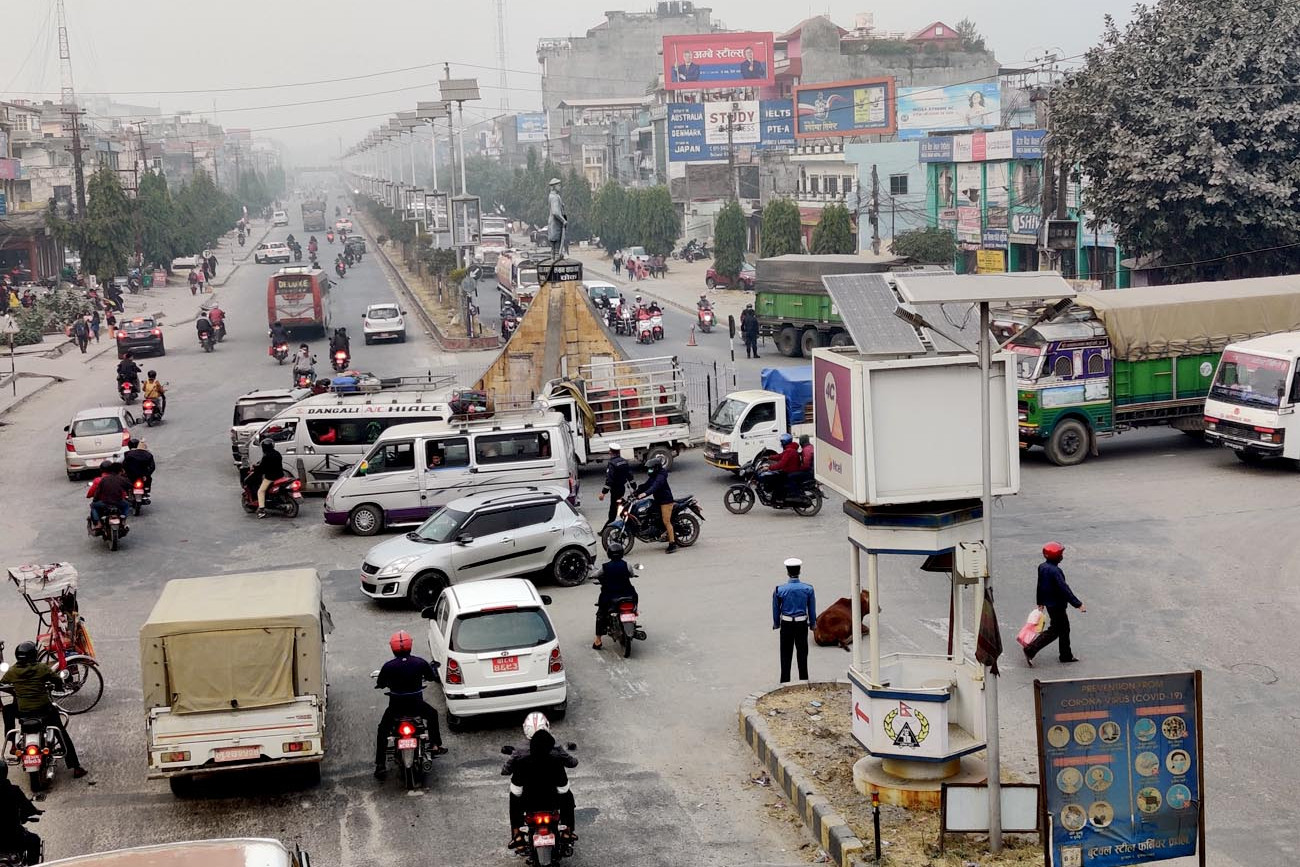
x=692, y=342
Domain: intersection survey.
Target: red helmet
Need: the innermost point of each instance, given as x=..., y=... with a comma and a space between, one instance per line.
x=1054, y=551
x=400, y=642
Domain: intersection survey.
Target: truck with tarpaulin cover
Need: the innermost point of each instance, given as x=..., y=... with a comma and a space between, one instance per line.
x=233, y=671
x=748, y=424
x=1128, y=358
x=313, y=216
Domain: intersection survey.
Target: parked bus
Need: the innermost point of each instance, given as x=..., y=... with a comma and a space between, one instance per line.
x=298, y=296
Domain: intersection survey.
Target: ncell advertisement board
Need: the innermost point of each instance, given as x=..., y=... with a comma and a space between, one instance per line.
x=960, y=106
x=530, y=127
x=845, y=108
x=698, y=131
x=836, y=387
x=718, y=60
x=1120, y=764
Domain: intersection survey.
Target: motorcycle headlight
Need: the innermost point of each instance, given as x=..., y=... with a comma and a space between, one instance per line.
x=396, y=566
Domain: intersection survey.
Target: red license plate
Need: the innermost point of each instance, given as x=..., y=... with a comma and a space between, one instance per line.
x=544, y=840
x=506, y=663
x=627, y=618
x=238, y=754
x=31, y=761
x=406, y=743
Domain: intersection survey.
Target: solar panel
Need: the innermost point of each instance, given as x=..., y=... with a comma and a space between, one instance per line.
x=866, y=304
x=960, y=323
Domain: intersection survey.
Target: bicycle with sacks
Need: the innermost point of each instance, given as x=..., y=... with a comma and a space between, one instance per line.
x=62, y=639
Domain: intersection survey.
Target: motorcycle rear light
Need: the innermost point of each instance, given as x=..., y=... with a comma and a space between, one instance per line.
x=148, y=404
x=182, y=756
x=557, y=661
x=626, y=606
x=296, y=746
x=406, y=730
x=295, y=485
x=453, y=672
x=139, y=484
x=542, y=818
x=340, y=355
x=33, y=750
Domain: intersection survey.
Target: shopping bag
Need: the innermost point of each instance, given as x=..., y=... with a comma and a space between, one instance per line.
x=1034, y=624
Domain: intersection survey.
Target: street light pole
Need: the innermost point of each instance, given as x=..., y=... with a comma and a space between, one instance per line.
x=994, y=749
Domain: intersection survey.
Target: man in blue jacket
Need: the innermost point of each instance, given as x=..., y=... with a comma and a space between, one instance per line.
x=794, y=612
x=1055, y=596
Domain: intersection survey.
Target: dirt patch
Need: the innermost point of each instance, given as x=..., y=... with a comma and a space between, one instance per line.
x=818, y=738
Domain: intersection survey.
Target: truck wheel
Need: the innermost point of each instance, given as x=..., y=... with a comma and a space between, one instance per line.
x=182, y=787
x=662, y=452
x=787, y=342
x=810, y=340
x=841, y=338
x=1068, y=445
x=1250, y=458
x=366, y=520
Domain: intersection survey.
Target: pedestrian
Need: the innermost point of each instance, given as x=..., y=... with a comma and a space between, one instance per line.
x=749, y=331
x=618, y=478
x=194, y=281
x=618, y=262
x=94, y=323
x=212, y=267
x=1054, y=596
x=794, y=612
x=81, y=333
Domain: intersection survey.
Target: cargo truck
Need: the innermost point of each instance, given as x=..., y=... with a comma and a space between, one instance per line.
x=793, y=307
x=313, y=216
x=748, y=424
x=1254, y=397
x=1141, y=357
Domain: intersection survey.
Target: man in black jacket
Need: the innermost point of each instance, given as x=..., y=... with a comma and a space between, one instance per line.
x=618, y=478
x=1055, y=596
x=749, y=331
x=138, y=463
x=16, y=808
x=267, y=471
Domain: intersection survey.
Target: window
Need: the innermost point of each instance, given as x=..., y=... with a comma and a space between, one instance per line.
x=395, y=457
x=938, y=30
x=248, y=413
x=344, y=431
x=1096, y=364
x=501, y=630
x=446, y=453
x=510, y=447
x=280, y=432
x=440, y=613
x=93, y=427
x=832, y=186
x=489, y=523
x=1063, y=367
x=898, y=185
x=814, y=184
x=846, y=184
x=530, y=516
x=763, y=413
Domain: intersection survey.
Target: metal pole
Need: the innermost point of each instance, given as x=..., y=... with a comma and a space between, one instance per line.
x=855, y=605
x=460, y=107
x=986, y=508
x=411, y=147
x=433, y=141
x=873, y=591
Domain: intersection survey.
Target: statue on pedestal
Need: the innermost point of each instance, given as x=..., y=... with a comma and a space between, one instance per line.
x=559, y=221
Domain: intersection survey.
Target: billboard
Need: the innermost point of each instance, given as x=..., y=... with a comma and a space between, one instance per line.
x=697, y=132
x=718, y=60
x=845, y=108
x=1018, y=144
x=1120, y=764
x=530, y=127
x=959, y=106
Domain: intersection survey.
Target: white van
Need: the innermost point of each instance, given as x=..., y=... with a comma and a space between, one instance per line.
x=323, y=436
x=415, y=468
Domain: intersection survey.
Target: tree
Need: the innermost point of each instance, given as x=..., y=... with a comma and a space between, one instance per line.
x=156, y=218
x=1196, y=162
x=104, y=235
x=577, y=204
x=609, y=216
x=970, y=36
x=782, y=228
x=729, y=241
x=834, y=231
x=929, y=246
x=659, y=223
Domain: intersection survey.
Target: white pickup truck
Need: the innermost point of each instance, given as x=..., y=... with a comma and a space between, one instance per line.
x=233, y=669
x=749, y=423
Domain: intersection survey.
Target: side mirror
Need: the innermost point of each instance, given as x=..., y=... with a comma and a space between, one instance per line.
x=638, y=567
x=546, y=600
x=427, y=612
x=507, y=750
x=67, y=427
x=464, y=539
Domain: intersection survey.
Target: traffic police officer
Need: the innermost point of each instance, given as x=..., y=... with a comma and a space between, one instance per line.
x=794, y=612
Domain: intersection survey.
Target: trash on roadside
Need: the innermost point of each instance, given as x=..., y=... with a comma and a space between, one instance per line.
x=761, y=779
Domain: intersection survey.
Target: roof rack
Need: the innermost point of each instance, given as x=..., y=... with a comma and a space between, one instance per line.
x=500, y=418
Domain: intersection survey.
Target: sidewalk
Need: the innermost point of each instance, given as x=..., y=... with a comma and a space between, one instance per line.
x=681, y=288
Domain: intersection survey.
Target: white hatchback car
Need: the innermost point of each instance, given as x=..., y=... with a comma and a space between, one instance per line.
x=185, y=263
x=275, y=251
x=279, y=218
x=497, y=650
x=383, y=322
x=94, y=436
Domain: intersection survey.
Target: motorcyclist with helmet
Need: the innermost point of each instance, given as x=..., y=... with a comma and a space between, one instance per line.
x=111, y=489
x=656, y=488
x=615, y=583
x=279, y=334
x=340, y=341
x=138, y=463
x=268, y=470
x=15, y=809
x=534, y=722
x=786, y=464
x=304, y=363
x=404, y=677
x=155, y=391
x=31, y=682
x=128, y=371
x=539, y=781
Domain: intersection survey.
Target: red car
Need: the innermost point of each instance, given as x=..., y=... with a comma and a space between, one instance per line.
x=745, y=279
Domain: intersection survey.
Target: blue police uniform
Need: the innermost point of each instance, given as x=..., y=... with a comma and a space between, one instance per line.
x=794, y=612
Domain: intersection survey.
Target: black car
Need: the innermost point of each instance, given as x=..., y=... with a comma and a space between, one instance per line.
x=138, y=335
x=356, y=244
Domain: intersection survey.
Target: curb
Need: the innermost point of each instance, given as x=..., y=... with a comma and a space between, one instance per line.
x=834, y=834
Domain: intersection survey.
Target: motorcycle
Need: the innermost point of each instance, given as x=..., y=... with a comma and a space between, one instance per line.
x=625, y=320
x=340, y=269
x=509, y=323
x=206, y=341
x=408, y=747
x=279, y=351
x=544, y=836
x=283, y=497
x=33, y=744
x=139, y=496
x=657, y=326
x=620, y=620
x=340, y=360
x=640, y=519
x=151, y=412
x=111, y=527
x=241, y=239
x=707, y=319
x=18, y=857
x=645, y=332
x=329, y=236
x=304, y=379
x=128, y=390
x=757, y=483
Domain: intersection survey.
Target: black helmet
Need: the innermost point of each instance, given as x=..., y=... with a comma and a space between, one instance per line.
x=106, y=466
x=615, y=550
x=25, y=652
x=654, y=465
x=133, y=442
x=268, y=444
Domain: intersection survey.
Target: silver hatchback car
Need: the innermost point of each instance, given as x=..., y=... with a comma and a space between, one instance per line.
x=94, y=436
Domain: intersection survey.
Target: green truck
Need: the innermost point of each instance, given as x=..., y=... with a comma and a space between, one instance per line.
x=1129, y=358
x=792, y=304
x=313, y=216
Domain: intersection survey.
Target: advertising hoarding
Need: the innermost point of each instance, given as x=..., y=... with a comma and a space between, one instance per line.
x=1025, y=144
x=835, y=389
x=845, y=108
x=1120, y=759
x=530, y=127
x=436, y=212
x=697, y=131
x=465, y=221
x=718, y=60
x=958, y=106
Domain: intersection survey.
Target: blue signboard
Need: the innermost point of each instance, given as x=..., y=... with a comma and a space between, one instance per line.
x=4, y=205
x=1120, y=768
x=686, y=133
x=1027, y=144
x=777, y=119
x=692, y=138
x=845, y=108
x=936, y=150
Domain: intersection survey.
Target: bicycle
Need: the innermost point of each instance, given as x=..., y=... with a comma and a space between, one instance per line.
x=62, y=639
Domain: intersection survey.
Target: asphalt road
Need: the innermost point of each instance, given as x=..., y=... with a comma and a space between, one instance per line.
x=1184, y=557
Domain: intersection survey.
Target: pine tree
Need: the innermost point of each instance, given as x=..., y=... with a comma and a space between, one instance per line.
x=782, y=228
x=834, y=231
x=729, y=241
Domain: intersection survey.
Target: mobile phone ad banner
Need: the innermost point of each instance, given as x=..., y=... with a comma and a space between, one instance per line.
x=1121, y=769
x=710, y=61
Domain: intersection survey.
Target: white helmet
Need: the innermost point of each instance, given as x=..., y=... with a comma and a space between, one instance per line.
x=534, y=723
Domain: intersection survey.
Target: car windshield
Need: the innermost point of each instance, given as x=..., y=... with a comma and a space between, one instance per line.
x=724, y=418
x=247, y=413
x=139, y=325
x=382, y=313
x=93, y=427
x=1250, y=380
x=486, y=631
x=440, y=527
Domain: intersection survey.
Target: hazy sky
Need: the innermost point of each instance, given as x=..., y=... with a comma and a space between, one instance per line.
x=229, y=54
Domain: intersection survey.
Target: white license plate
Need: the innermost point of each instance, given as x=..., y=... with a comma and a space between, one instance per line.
x=406, y=743
x=544, y=840
x=627, y=618
x=238, y=754
x=31, y=761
